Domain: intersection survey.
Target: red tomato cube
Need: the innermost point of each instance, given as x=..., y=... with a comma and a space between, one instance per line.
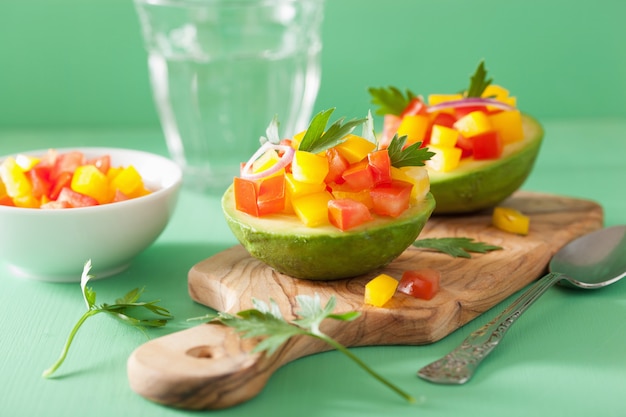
x=66, y=162
x=271, y=195
x=337, y=164
x=421, y=283
x=75, y=199
x=346, y=214
x=245, y=196
x=487, y=145
x=359, y=176
x=380, y=165
x=391, y=199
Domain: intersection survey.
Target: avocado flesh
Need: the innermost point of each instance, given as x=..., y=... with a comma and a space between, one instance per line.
x=325, y=253
x=477, y=185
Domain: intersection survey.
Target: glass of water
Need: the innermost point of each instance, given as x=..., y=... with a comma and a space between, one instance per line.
x=221, y=70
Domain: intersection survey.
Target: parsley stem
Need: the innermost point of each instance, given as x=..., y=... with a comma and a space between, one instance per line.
x=341, y=348
x=48, y=372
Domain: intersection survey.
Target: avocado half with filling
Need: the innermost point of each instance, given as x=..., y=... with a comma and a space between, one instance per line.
x=325, y=253
x=476, y=185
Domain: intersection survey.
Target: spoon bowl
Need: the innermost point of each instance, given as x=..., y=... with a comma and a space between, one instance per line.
x=592, y=261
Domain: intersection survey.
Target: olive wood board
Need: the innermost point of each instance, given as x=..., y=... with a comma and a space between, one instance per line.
x=209, y=366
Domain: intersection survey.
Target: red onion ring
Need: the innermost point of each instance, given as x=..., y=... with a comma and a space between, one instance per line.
x=284, y=160
x=470, y=102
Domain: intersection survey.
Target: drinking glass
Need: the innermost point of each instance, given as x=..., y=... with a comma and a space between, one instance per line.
x=221, y=70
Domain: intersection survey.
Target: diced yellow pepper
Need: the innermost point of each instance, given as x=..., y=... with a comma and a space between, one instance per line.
x=26, y=201
x=473, y=124
x=112, y=173
x=443, y=136
x=508, y=124
x=510, y=220
x=444, y=159
x=312, y=209
x=266, y=161
x=497, y=92
x=362, y=196
x=297, y=188
x=90, y=181
x=127, y=181
x=380, y=290
x=26, y=162
x=414, y=127
x=15, y=181
x=355, y=148
x=442, y=98
x=418, y=176
x=297, y=138
x=309, y=167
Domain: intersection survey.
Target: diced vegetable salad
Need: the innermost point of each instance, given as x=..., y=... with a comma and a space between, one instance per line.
x=331, y=176
x=66, y=180
x=475, y=124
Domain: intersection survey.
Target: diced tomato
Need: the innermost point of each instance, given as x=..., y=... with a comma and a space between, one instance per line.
x=63, y=180
x=271, y=195
x=444, y=119
x=487, y=145
x=415, y=106
x=337, y=164
x=245, y=196
x=5, y=200
x=346, y=214
x=56, y=205
x=103, y=163
x=380, y=165
x=66, y=162
x=119, y=196
x=391, y=199
x=391, y=122
x=466, y=145
x=359, y=176
x=75, y=199
x=39, y=177
x=422, y=283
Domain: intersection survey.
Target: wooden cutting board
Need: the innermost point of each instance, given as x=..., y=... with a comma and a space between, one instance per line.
x=210, y=366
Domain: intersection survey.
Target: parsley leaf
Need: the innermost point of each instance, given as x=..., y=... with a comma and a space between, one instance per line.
x=478, y=81
x=412, y=155
x=457, y=247
x=390, y=100
x=266, y=320
x=121, y=310
x=271, y=132
x=317, y=138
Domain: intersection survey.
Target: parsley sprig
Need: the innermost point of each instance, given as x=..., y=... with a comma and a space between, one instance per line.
x=478, y=81
x=123, y=310
x=318, y=139
x=457, y=247
x=390, y=100
x=267, y=321
x=412, y=155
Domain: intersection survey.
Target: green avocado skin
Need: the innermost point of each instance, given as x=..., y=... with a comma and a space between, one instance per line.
x=492, y=183
x=331, y=256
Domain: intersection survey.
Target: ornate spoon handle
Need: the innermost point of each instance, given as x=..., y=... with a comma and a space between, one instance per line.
x=458, y=366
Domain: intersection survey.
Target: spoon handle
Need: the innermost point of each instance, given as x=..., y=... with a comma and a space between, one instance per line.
x=458, y=366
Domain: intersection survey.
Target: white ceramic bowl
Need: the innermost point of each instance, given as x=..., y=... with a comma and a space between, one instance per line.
x=53, y=245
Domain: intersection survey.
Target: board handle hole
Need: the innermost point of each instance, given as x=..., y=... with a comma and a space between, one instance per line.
x=202, y=352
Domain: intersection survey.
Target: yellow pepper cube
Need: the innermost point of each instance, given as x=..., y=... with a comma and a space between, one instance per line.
x=473, y=124
x=418, y=176
x=508, y=124
x=265, y=161
x=434, y=99
x=15, y=181
x=90, y=181
x=26, y=162
x=297, y=138
x=414, y=127
x=497, y=92
x=309, y=167
x=312, y=209
x=297, y=188
x=127, y=181
x=510, y=220
x=443, y=136
x=27, y=201
x=355, y=148
x=444, y=159
x=362, y=196
x=380, y=290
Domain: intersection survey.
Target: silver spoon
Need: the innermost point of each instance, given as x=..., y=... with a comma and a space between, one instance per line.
x=592, y=261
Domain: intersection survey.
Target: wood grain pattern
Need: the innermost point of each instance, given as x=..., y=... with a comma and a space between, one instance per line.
x=209, y=366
